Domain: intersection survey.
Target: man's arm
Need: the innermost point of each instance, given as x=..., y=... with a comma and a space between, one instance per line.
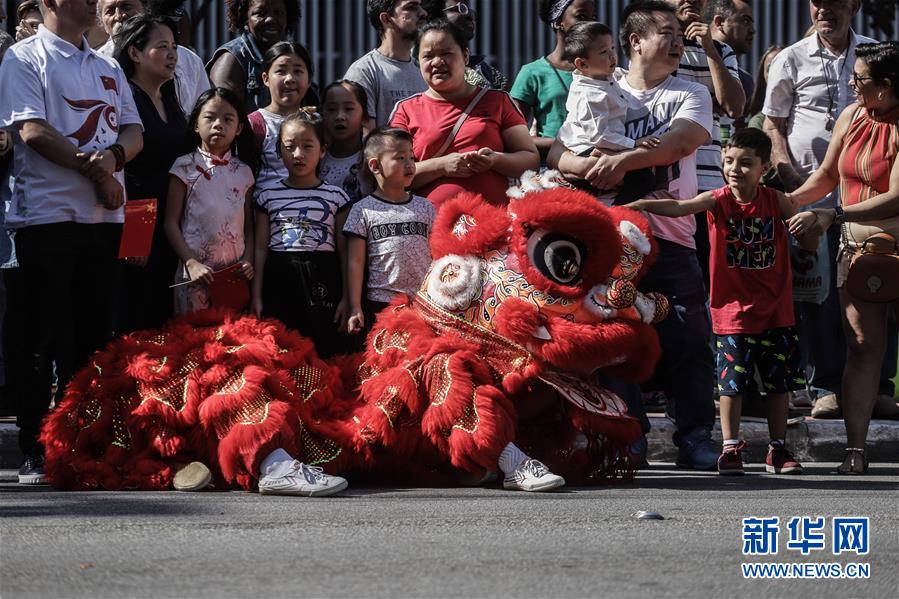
x=682, y=139
x=728, y=90
x=776, y=128
x=41, y=137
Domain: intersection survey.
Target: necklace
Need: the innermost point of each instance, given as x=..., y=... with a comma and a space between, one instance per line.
x=832, y=94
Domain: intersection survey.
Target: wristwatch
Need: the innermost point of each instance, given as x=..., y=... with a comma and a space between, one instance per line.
x=839, y=217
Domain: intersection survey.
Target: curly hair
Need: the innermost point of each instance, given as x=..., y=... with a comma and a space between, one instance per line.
x=238, y=9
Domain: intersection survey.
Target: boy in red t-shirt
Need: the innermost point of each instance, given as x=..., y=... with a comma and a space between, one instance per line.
x=751, y=294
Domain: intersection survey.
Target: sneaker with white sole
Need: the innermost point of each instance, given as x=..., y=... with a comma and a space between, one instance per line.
x=32, y=470
x=532, y=475
x=308, y=481
x=193, y=477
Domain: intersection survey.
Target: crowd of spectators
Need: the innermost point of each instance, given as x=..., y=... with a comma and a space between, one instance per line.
x=256, y=169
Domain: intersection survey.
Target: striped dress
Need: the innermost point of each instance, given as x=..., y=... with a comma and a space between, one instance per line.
x=869, y=152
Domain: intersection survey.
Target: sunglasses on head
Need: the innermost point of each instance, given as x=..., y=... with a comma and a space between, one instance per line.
x=460, y=7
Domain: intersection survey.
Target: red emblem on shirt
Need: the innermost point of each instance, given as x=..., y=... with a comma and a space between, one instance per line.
x=94, y=109
x=109, y=83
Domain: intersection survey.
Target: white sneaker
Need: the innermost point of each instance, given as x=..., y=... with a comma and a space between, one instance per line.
x=308, y=481
x=532, y=475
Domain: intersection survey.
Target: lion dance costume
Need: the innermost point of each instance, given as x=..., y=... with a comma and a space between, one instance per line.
x=521, y=306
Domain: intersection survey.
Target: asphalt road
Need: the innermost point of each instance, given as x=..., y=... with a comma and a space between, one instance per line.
x=439, y=542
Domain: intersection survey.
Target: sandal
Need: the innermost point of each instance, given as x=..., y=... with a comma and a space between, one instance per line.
x=854, y=466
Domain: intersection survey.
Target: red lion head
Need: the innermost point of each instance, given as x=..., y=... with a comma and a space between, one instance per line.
x=555, y=272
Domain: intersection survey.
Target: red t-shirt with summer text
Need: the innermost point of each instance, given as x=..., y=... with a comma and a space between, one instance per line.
x=430, y=121
x=749, y=264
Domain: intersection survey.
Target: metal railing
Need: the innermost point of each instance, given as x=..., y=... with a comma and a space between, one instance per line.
x=336, y=32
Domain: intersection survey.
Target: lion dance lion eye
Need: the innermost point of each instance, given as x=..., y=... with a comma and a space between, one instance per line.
x=558, y=257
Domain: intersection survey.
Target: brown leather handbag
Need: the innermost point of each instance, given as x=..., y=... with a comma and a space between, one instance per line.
x=874, y=270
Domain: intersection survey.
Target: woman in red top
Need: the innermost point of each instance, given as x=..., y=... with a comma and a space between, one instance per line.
x=492, y=144
x=862, y=159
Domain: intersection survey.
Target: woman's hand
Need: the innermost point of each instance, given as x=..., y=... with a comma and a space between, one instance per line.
x=481, y=161
x=456, y=165
x=246, y=269
x=197, y=271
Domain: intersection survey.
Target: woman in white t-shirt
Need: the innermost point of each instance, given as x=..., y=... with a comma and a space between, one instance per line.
x=287, y=74
x=343, y=111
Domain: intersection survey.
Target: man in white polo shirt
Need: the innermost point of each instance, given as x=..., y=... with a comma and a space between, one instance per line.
x=808, y=88
x=74, y=125
x=191, y=79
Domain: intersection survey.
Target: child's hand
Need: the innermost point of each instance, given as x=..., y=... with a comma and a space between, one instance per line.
x=802, y=222
x=197, y=271
x=138, y=261
x=356, y=322
x=455, y=165
x=637, y=205
x=110, y=193
x=649, y=142
x=246, y=269
x=481, y=161
x=342, y=313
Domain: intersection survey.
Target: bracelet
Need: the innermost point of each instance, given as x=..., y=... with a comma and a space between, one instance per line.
x=119, y=153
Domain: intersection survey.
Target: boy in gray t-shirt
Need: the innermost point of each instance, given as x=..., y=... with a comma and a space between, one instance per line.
x=388, y=231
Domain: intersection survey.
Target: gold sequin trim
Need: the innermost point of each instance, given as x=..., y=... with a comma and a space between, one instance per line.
x=391, y=404
x=309, y=380
x=315, y=449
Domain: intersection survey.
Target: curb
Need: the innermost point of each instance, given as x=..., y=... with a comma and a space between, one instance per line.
x=810, y=440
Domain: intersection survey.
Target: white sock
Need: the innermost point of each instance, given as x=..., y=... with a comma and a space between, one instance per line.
x=511, y=458
x=731, y=442
x=276, y=464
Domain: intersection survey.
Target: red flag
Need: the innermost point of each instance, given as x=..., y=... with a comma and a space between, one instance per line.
x=137, y=234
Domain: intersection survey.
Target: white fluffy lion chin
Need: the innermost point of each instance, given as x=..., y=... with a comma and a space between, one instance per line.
x=454, y=281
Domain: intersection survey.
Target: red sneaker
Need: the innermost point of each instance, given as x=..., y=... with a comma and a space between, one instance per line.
x=780, y=461
x=730, y=462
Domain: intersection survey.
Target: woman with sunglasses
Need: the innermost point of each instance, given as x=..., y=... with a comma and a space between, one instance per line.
x=861, y=158
x=541, y=88
x=478, y=72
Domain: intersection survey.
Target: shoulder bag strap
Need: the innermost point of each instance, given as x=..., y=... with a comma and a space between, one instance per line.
x=460, y=121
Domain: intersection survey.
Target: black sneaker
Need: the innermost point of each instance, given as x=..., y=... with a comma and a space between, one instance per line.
x=32, y=471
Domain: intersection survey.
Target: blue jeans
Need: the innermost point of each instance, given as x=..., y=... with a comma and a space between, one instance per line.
x=687, y=368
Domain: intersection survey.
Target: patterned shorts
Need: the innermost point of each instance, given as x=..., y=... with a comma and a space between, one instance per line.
x=775, y=353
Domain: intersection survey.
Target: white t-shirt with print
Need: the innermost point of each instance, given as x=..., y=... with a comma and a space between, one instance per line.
x=272, y=169
x=344, y=173
x=397, y=241
x=302, y=219
x=651, y=112
x=86, y=98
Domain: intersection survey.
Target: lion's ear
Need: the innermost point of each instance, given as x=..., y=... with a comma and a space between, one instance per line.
x=468, y=225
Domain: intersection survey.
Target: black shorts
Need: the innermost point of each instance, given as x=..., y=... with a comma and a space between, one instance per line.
x=775, y=353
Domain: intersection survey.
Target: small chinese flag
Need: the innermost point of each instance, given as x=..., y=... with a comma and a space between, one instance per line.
x=137, y=235
x=230, y=289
